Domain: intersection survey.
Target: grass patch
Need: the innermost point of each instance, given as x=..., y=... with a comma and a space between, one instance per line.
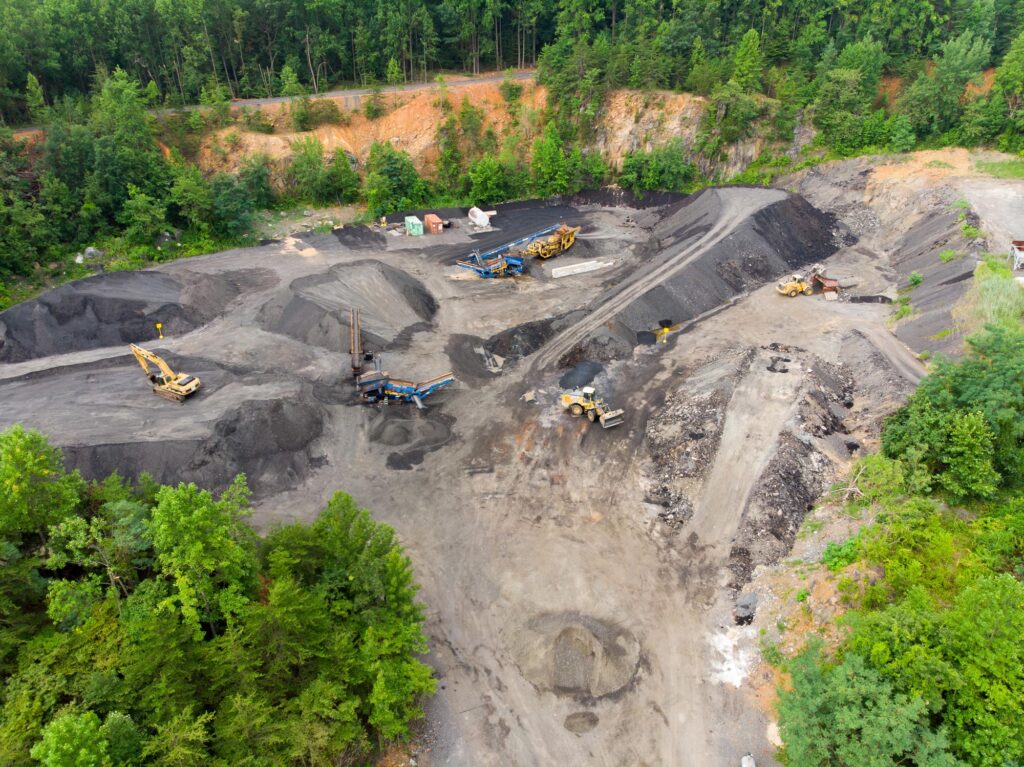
x=939, y=164
x=948, y=255
x=995, y=298
x=802, y=594
x=942, y=334
x=970, y=232
x=839, y=555
x=904, y=311
x=1002, y=168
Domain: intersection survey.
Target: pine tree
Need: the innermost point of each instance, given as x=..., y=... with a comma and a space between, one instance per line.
x=748, y=65
x=35, y=100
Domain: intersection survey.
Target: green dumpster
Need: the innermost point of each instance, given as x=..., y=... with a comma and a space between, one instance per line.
x=413, y=226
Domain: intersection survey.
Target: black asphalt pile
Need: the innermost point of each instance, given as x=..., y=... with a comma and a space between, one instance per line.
x=315, y=309
x=267, y=440
x=118, y=308
x=785, y=236
x=523, y=340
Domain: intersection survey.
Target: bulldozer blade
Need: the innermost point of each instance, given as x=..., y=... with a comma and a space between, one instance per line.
x=612, y=418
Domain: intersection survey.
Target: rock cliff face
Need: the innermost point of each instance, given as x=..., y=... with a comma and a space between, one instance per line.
x=629, y=121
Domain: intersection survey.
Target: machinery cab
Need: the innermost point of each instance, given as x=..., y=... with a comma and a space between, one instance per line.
x=587, y=393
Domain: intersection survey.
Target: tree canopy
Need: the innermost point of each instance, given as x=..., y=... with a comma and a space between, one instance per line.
x=150, y=625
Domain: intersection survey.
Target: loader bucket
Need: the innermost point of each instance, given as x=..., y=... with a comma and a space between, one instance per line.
x=612, y=418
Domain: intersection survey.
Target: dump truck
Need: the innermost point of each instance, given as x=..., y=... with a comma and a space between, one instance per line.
x=176, y=387
x=584, y=401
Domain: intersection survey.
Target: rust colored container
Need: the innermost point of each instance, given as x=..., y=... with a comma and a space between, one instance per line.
x=432, y=224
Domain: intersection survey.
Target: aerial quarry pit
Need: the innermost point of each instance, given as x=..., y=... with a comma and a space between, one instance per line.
x=578, y=580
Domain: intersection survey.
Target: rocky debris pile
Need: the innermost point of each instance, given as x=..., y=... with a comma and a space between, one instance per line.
x=314, y=309
x=683, y=437
x=802, y=468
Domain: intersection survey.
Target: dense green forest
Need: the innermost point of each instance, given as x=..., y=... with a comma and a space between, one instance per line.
x=255, y=47
x=150, y=625
x=930, y=667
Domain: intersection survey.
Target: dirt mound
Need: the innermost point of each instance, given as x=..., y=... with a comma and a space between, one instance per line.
x=314, y=309
x=267, y=440
x=117, y=308
x=578, y=656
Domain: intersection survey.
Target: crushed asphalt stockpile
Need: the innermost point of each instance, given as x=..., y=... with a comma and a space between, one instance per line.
x=930, y=324
x=784, y=236
x=703, y=252
x=314, y=309
x=270, y=441
x=119, y=308
x=917, y=223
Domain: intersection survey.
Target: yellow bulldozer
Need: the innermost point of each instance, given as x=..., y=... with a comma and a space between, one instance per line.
x=557, y=242
x=583, y=401
x=176, y=387
x=794, y=285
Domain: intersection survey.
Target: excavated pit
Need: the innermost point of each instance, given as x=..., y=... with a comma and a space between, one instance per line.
x=314, y=309
x=119, y=308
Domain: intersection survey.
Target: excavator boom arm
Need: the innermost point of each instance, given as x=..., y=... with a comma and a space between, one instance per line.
x=146, y=358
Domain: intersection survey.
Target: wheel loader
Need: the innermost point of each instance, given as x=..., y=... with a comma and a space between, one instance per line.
x=582, y=401
x=794, y=285
x=176, y=387
x=560, y=241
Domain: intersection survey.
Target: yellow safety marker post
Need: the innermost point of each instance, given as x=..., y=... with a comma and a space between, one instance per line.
x=160, y=329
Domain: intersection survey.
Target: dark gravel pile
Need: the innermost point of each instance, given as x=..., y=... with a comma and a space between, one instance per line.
x=267, y=440
x=118, y=308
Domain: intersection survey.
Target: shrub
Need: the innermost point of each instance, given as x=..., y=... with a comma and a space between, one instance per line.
x=838, y=555
x=663, y=168
x=391, y=181
x=256, y=120
x=307, y=114
x=915, y=279
x=374, y=107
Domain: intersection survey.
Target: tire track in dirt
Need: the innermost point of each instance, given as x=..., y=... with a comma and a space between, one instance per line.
x=758, y=410
x=737, y=205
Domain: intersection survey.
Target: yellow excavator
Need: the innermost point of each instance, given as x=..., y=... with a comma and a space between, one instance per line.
x=558, y=242
x=176, y=387
x=580, y=401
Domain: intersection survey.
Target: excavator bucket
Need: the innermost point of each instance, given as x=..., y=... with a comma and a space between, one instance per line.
x=612, y=418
